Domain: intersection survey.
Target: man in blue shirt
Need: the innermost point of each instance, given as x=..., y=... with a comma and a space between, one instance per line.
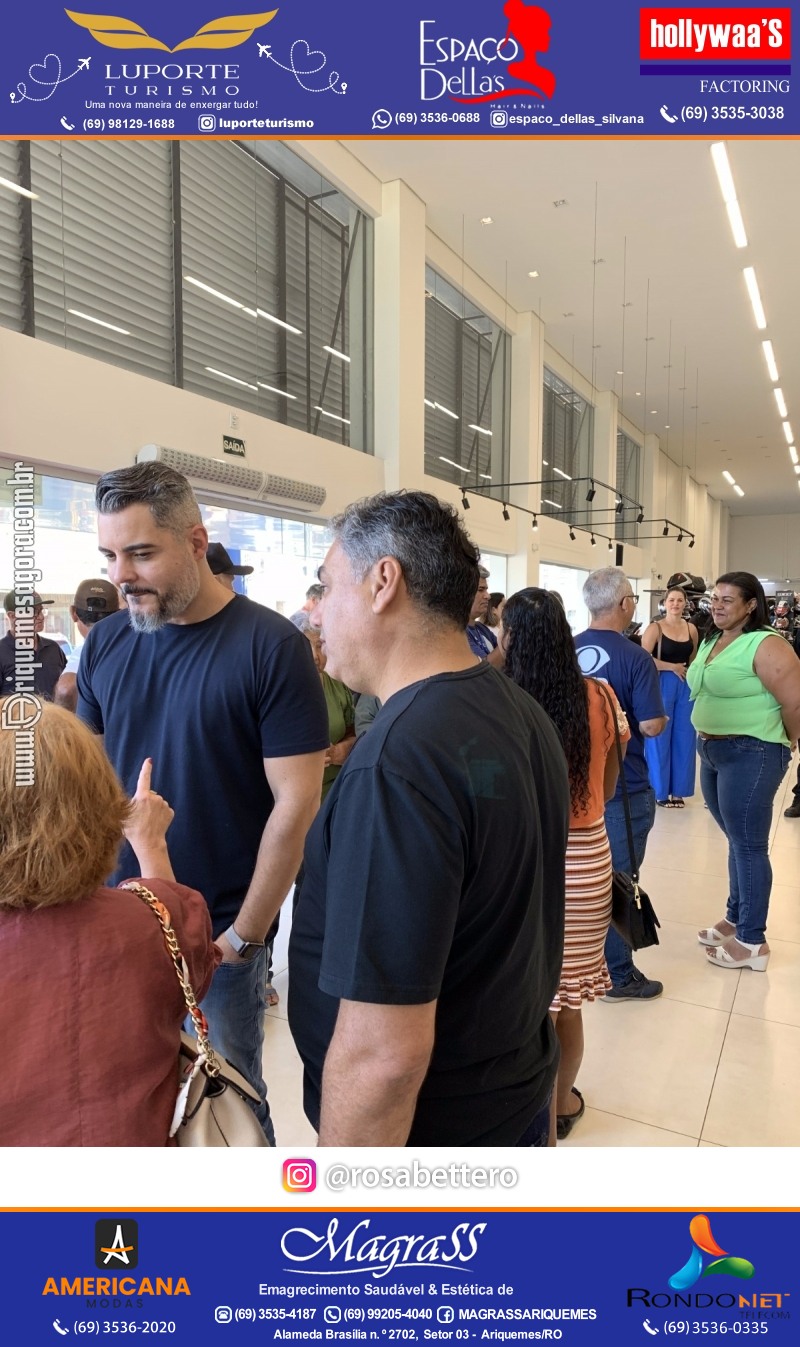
x=482, y=640
x=604, y=653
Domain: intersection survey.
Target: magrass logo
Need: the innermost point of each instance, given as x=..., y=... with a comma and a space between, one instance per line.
x=116, y=1244
x=694, y=1268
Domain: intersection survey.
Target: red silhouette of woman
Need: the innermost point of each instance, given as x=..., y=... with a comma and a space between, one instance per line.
x=529, y=26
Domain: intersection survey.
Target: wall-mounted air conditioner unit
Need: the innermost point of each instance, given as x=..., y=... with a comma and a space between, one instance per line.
x=233, y=479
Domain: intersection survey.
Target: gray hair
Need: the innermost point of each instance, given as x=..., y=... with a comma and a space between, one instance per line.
x=166, y=493
x=604, y=589
x=315, y=591
x=302, y=621
x=483, y=573
x=427, y=538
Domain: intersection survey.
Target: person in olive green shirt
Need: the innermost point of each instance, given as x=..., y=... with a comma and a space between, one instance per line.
x=341, y=713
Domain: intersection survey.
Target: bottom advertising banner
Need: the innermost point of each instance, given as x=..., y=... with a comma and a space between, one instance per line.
x=372, y=1276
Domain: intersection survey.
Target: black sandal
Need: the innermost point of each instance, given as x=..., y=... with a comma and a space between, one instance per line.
x=566, y=1121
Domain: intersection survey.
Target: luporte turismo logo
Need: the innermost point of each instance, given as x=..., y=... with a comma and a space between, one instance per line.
x=695, y=1267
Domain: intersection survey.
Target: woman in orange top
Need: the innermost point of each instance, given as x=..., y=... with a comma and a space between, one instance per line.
x=540, y=657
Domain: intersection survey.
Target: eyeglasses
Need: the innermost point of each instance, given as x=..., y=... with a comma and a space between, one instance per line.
x=635, y=598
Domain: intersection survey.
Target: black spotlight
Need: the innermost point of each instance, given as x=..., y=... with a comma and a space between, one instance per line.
x=691, y=544
x=506, y=515
x=619, y=507
x=535, y=524
x=680, y=536
x=571, y=534
x=590, y=494
x=665, y=530
x=610, y=545
x=594, y=544
x=464, y=502
x=640, y=516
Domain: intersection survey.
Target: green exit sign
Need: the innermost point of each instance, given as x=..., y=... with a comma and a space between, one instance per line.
x=230, y=445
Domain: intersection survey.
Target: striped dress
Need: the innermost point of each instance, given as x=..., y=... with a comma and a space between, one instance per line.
x=584, y=975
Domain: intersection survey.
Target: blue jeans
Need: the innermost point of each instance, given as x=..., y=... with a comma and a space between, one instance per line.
x=739, y=779
x=234, y=1007
x=619, y=955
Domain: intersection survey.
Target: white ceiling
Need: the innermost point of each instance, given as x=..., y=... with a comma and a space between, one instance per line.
x=653, y=211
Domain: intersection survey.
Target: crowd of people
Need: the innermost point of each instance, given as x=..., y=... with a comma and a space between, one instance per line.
x=434, y=769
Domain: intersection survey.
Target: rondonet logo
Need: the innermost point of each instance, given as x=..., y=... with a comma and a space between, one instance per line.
x=334, y=1253
x=681, y=33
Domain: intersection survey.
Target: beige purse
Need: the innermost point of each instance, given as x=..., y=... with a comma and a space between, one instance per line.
x=211, y=1108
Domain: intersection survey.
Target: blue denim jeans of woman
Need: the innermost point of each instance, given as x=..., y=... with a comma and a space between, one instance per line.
x=739, y=778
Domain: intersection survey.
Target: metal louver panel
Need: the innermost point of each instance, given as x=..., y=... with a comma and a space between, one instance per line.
x=102, y=244
x=230, y=236
x=442, y=435
x=11, y=214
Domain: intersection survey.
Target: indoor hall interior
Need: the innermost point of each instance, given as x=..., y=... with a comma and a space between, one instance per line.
x=704, y=1064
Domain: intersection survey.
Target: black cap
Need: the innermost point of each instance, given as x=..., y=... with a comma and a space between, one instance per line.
x=221, y=564
x=10, y=601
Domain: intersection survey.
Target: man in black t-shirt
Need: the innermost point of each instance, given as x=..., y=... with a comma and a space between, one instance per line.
x=223, y=695
x=41, y=658
x=427, y=938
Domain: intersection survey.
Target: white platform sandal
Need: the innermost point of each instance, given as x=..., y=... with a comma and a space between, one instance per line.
x=757, y=960
x=714, y=936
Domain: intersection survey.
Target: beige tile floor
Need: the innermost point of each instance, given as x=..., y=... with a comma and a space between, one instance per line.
x=700, y=1065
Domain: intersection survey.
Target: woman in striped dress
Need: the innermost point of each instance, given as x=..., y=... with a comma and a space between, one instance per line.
x=540, y=657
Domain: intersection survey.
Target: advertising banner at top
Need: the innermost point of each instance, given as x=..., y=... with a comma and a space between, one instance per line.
x=499, y=68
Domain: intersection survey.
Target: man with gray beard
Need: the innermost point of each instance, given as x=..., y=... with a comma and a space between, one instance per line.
x=223, y=695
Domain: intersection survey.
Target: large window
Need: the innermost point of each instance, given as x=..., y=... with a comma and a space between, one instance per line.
x=231, y=269
x=628, y=468
x=567, y=429
x=467, y=390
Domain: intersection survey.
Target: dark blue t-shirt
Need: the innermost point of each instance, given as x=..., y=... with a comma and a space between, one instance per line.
x=631, y=671
x=207, y=701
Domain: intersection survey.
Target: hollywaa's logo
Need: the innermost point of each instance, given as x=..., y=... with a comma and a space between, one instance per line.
x=703, y=1242
x=112, y=31
x=462, y=66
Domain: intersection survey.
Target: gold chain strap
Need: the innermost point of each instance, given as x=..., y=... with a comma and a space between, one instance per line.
x=161, y=912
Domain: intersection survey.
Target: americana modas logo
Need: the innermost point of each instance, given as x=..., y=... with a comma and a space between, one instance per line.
x=696, y=1266
x=113, y=31
x=116, y=1244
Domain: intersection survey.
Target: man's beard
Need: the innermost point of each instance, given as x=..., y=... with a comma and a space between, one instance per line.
x=170, y=605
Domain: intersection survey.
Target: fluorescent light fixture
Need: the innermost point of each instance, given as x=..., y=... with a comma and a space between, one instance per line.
x=787, y=430
x=333, y=416
x=565, y=475
x=428, y=402
x=729, y=478
x=280, y=391
x=15, y=187
x=100, y=323
x=480, y=430
x=769, y=356
x=532, y=274
x=446, y=410
x=792, y=453
x=487, y=476
x=738, y=489
x=333, y=351
x=442, y=459
x=209, y=289
x=720, y=156
x=737, y=224
x=750, y=281
x=270, y=317
x=231, y=378
x=551, y=502
x=781, y=401
x=545, y=463
x=797, y=468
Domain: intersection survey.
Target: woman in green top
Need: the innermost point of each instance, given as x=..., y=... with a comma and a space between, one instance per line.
x=745, y=687
x=341, y=715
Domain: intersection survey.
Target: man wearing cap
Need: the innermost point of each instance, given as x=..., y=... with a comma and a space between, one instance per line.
x=48, y=660
x=93, y=599
x=222, y=566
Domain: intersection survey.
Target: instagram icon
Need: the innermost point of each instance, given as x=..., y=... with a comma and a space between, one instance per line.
x=299, y=1176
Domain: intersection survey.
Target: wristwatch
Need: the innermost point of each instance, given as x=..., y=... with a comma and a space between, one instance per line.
x=246, y=949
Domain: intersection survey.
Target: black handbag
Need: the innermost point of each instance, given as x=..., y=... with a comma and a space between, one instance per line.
x=632, y=914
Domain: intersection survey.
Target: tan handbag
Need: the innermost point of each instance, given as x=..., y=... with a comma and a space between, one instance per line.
x=211, y=1108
